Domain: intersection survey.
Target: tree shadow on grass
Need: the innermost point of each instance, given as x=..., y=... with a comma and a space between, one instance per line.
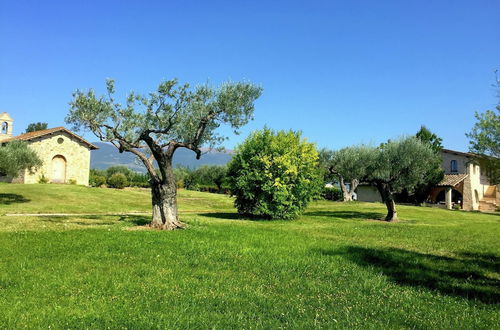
x=347, y=215
x=232, y=216
x=468, y=276
x=138, y=220
x=8, y=199
x=70, y=220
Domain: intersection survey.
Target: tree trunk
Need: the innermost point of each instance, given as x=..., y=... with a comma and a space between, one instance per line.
x=392, y=213
x=164, y=199
x=354, y=185
x=388, y=198
x=347, y=196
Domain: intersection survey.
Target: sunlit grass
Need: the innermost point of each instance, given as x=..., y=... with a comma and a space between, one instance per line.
x=336, y=266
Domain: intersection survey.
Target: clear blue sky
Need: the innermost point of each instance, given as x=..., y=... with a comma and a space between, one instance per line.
x=343, y=72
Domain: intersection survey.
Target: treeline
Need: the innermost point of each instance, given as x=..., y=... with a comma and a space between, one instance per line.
x=210, y=178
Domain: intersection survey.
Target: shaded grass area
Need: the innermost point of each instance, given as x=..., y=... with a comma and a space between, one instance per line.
x=332, y=268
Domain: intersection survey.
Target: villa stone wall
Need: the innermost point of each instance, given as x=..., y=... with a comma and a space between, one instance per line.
x=368, y=194
x=75, y=153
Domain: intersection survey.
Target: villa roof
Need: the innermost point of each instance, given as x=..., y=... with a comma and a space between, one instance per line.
x=451, y=180
x=467, y=154
x=33, y=135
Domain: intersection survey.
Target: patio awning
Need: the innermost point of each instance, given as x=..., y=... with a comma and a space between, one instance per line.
x=451, y=180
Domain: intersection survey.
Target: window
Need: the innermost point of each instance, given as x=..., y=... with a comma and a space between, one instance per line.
x=454, y=166
x=5, y=128
x=60, y=140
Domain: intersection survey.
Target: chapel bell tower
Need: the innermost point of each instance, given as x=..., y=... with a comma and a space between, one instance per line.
x=5, y=126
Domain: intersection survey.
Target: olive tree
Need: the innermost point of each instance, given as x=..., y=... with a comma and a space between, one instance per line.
x=153, y=127
x=399, y=165
x=346, y=165
x=15, y=157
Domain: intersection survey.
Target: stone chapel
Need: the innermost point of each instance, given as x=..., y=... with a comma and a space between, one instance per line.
x=65, y=155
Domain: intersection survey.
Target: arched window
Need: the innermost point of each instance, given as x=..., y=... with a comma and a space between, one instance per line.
x=5, y=128
x=454, y=166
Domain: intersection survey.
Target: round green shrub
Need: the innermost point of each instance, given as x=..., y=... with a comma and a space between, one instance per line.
x=97, y=180
x=274, y=174
x=332, y=194
x=118, y=181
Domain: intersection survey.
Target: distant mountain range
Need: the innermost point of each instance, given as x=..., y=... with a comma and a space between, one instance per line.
x=107, y=155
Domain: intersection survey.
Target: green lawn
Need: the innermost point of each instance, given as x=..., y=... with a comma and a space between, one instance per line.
x=333, y=267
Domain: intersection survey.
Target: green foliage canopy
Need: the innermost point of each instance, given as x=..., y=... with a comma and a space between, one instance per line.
x=484, y=139
x=174, y=116
x=33, y=127
x=118, y=180
x=426, y=136
x=274, y=174
x=402, y=164
x=16, y=156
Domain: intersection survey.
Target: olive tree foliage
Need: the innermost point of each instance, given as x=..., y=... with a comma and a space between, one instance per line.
x=421, y=192
x=398, y=165
x=154, y=126
x=346, y=165
x=484, y=139
x=274, y=174
x=15, y=157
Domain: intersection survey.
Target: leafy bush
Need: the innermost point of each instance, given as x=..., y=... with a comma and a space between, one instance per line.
x=138, y=179
x=274, y=174
x=97, y=181
x=97, y=177
x=211, y=178
x=118, y=169
x=180, y=174
x=72, y=181
x=332, y=194
x=118, y=181
x=43, y=179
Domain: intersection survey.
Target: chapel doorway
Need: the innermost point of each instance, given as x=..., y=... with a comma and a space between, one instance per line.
x=58, y=169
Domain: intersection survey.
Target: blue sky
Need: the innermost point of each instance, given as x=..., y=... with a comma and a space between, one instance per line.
x=342, y=72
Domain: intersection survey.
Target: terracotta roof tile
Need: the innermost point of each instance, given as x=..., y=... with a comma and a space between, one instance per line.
x=452, y=179
x=36, y=134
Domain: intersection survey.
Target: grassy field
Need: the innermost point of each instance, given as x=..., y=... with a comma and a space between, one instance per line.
x=333, y=267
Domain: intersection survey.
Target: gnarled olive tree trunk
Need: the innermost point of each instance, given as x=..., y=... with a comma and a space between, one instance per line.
x=348, y=193
x=164, y=200
x=388, y=199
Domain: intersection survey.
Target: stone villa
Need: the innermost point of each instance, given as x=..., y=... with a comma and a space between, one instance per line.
x=65, y=155
x=465, y=184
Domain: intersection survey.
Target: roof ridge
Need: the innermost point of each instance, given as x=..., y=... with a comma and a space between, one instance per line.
x=31, y=135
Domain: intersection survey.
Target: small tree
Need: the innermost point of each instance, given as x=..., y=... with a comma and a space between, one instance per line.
x=485, y=139
x=346, y=165
x=398, y=165
x=119, y=169
x=210, y=175
x=153, y=127
x=33, y=127
x=15, y=157
x=218, y=175
x=274, y=174
x=118, y=180
x=434, y=176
